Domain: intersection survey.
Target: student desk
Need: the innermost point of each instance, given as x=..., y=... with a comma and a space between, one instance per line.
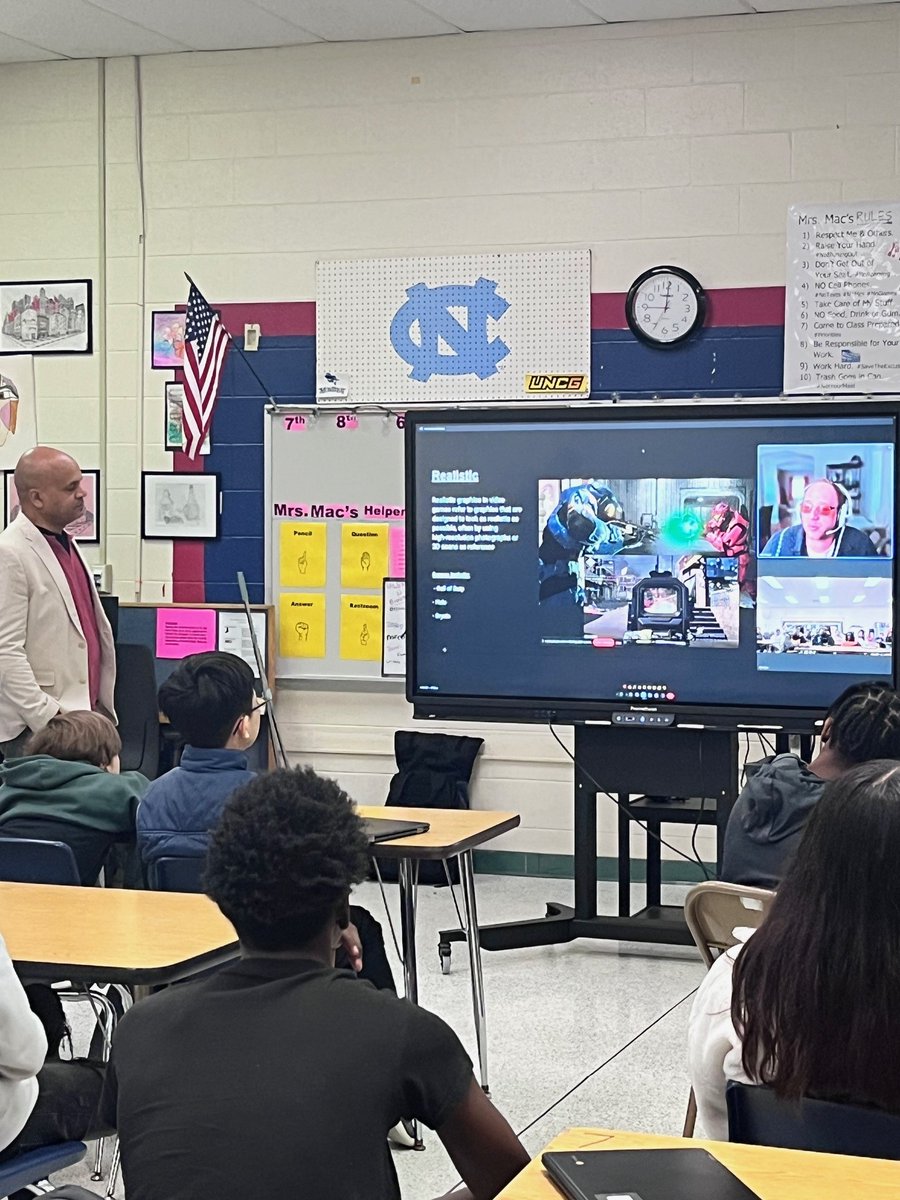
x=772, y=1174
x=112, y=935
x=453, y=832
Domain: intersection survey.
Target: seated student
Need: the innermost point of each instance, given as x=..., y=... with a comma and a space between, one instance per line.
x=809, y=1004
x=67, y=788
x=280, y=1075
x=768, y=819
x=40, y=1101
x=210, y=700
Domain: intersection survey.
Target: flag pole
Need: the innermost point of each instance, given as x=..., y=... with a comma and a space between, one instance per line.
x=240, y=351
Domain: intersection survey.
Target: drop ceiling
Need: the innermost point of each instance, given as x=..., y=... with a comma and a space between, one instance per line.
x=108, y=28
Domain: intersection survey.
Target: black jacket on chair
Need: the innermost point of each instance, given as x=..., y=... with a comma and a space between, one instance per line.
x=434, y=770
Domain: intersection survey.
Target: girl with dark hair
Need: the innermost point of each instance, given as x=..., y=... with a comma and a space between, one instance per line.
x=808, y=1005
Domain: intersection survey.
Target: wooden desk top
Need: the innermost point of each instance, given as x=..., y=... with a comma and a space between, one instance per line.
x=452, y=831
x=772, y=1174
x=110, y=935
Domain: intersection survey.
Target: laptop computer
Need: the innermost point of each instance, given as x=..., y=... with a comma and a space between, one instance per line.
x=384, y=829
x=643, y=1175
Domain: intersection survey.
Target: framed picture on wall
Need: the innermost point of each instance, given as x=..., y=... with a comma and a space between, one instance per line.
x=166, y=340
x=46, y=316
x=179, y=506
x=174, y=434
x=86, y=528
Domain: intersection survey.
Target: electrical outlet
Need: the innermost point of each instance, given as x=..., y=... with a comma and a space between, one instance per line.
x=251, y=337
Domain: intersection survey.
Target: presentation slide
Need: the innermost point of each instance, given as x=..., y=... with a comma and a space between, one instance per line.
x=721, y=562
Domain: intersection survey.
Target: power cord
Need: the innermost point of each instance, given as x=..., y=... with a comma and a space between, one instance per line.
x=590, y=1075
x=625, y=808
x=605, y=1063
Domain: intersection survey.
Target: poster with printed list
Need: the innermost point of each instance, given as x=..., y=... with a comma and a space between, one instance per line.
x=842, y=302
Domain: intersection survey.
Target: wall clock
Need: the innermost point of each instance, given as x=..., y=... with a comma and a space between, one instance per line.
x=665, y=306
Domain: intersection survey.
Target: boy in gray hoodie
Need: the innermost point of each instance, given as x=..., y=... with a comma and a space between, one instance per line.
x=768, y=820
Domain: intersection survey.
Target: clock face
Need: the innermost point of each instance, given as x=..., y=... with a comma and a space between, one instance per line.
x=664, y=306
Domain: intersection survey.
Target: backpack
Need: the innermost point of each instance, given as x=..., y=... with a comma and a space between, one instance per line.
x=434, y=770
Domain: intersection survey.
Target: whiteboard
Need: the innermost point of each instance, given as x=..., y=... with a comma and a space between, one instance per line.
x=330, y=474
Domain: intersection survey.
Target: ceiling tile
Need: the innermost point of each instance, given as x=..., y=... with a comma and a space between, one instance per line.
x=210, y=24
x=359, y=20
x=474, y=15
x=656, y=10
x=12, y=50
x=79, y=29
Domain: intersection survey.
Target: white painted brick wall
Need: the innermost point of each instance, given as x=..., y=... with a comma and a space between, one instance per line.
x=682, y=141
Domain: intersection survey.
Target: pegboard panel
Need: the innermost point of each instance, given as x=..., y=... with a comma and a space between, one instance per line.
x=453, y=327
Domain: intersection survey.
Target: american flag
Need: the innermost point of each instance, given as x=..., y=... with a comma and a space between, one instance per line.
x=205, y=345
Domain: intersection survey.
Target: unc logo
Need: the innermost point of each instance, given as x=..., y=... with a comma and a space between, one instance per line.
x=471, y=352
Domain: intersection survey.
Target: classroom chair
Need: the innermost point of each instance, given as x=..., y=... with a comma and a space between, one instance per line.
x=29, y=860
x=33, y=1166
x=137, y=709
x=173, y=874
x=713, y=910
x=757, y=1117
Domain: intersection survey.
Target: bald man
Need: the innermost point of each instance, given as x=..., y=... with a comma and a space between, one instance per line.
x=56, y=645
x=823, y=531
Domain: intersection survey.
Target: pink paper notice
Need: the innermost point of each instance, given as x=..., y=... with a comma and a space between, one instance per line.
x=184, y=631
x=397, y=551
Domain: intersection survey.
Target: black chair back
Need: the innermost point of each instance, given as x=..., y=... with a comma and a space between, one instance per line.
x=176, y=874
x=758, y=1118
x=27, y=860
x=137, y=709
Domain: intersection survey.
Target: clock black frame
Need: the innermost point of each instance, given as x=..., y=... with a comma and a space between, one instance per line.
x=630, y=300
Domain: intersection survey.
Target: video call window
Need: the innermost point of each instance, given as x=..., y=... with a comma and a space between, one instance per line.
x=826, y=501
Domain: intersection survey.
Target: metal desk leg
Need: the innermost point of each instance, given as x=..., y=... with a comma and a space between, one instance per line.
x=467, y=873
x=408, y=879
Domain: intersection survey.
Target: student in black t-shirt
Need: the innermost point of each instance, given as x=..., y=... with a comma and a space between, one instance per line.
x=280, y=1075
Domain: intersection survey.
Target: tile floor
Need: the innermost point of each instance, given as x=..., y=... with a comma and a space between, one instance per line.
x=555, y=1014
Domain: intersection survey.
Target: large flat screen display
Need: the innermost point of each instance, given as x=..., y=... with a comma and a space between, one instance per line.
x=735, y=560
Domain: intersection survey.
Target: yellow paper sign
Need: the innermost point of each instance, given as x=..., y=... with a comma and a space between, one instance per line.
x=301, y=625
x=364, y=554
x=361, y=627
x=303, y=554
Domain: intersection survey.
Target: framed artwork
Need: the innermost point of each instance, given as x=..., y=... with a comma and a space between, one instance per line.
x=46, y=316
x=167, y=340
x=179, y=506
x=174, y=435
x=86, y=528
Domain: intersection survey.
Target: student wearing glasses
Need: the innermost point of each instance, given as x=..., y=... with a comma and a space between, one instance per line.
x=210, y=700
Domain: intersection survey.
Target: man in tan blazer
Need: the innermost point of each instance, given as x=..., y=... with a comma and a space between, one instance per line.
x=56, y=645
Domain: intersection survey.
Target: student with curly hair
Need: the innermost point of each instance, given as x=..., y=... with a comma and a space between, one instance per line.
x=280, y=1075
x=767, y=822
x=809, y=1004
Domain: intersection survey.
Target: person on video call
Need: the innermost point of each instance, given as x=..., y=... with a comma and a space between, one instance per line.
x=823, y=531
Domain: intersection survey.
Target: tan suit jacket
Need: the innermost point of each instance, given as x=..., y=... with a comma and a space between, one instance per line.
x=43, y=651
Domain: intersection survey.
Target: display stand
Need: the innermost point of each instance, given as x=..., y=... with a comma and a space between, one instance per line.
x=624, y=761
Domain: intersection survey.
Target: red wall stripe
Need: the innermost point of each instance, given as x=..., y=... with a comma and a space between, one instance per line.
x=726, y=306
